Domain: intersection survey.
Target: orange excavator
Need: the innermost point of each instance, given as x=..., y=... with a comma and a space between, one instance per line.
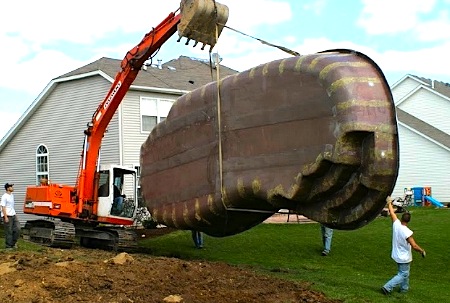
x=101, y=200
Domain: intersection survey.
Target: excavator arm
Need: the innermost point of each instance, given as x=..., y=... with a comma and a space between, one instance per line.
x=198, y=20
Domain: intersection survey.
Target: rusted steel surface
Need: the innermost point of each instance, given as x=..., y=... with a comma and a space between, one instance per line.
x=316, y=134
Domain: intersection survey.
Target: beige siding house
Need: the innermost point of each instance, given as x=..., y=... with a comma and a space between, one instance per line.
x=47, y=140
x=423, y=111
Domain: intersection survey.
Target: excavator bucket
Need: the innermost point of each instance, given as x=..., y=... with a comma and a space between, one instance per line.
x=199, y=19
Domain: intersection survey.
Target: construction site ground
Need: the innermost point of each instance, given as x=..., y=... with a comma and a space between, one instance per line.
x=88, y=275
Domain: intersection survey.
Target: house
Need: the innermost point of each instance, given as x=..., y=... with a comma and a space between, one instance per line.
x=47, y=140
x=423, y=111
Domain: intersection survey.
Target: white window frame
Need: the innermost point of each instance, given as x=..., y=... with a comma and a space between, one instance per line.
x=42, y=152
x=158, y=109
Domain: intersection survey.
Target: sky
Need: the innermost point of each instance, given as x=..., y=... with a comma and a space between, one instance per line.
x=41, y=40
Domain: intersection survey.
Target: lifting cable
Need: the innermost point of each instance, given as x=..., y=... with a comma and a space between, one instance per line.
x=219, y=122
x=283, y=48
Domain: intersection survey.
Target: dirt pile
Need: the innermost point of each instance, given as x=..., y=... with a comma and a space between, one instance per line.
x=86, y=275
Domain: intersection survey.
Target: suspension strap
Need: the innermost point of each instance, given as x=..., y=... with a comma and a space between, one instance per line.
x=283, y=48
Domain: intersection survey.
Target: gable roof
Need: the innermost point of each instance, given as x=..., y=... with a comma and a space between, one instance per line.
x=177, y=76
x=418, y=79
x=424, y=128
x=184, y=73
x=435, y=86
x=438, y=86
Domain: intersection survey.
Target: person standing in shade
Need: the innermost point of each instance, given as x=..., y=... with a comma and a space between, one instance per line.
x=118, y=201
x=327, y=236
x=402, y=242
x=197, y=237
x=10, y=220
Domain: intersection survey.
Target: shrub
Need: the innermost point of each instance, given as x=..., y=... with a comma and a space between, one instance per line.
x=149, y=224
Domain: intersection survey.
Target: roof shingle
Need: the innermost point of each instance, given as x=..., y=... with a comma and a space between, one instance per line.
x=184, y=73
x=439, y=86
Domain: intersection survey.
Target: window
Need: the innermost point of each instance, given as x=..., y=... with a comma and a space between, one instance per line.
x=103, y=189
x=41, y=163
x=153, y=111
x=148, y=123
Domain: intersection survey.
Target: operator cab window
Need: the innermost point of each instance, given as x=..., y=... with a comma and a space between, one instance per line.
x=118, y=181
x=103, y=186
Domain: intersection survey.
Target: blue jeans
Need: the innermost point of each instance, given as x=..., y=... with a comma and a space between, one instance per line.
x=117, y=206
x=327, y=236
x=401, y=278
x=197, y=237
x=12, y=231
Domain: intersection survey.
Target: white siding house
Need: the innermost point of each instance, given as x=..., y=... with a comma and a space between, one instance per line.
x=48, y=138
x=423, y=110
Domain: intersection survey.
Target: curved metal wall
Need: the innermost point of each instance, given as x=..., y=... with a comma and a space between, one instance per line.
x=316, y=134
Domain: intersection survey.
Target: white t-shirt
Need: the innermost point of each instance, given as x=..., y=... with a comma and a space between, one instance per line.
x=8, y=202
x=401, y=249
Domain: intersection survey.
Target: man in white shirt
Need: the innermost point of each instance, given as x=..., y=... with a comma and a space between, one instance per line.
x=402, y=242
x=10, y=220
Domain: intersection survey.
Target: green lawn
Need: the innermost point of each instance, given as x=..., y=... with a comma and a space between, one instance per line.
x=359, y=263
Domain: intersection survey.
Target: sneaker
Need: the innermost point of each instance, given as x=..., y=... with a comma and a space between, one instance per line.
x=324, y=253
x=384, y=291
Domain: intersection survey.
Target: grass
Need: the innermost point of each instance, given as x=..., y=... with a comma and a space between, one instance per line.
x=359, y=263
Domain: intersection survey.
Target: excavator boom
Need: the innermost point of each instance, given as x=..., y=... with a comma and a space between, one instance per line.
x=198, y=21
x=131, y=66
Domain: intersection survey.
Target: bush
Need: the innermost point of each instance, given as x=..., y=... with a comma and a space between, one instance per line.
x=149, y=224
x=142, y=214
x=144, y=218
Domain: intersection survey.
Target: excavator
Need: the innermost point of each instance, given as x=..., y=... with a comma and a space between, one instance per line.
x=95, y=207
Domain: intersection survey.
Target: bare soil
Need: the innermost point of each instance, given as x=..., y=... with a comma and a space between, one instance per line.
x=87, y=275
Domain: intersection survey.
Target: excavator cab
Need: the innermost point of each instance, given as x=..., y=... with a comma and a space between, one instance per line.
x=117, y=192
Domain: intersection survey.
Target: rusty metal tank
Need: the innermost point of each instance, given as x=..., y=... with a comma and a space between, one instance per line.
x=315, y=134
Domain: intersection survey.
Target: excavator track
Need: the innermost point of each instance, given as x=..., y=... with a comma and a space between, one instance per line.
x=60, y=234
x=108, y=238
x=51, y=233
x=127, y=240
